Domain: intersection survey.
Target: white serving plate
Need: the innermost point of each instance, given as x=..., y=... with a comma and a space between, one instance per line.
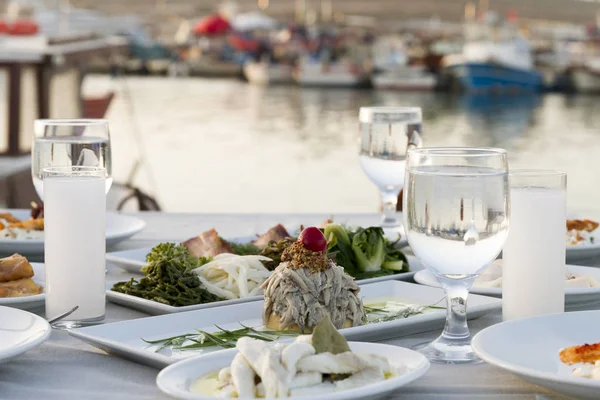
x=155, y=308
x=175, y=380
x=28, y=302
x=575, y=298
x=583, y=251
x=20, y=331
x=125, y=338
x=530, y=347
x=118, y=228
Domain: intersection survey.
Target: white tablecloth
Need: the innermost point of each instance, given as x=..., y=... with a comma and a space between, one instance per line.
x=65, y=368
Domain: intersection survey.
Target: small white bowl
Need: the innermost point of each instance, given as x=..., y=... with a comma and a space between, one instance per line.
x=175, y=380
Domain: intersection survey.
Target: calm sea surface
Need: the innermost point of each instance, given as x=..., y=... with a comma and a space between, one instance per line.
x=226, y=146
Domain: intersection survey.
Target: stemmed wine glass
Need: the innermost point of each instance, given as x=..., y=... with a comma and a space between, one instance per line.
x=456, y=215
x=70, y=142
x=385, y=135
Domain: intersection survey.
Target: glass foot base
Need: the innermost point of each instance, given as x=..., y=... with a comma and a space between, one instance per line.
x=67, y=324
x=443, y=353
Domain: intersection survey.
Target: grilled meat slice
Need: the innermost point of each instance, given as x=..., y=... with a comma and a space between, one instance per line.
x=207, y=244
x=276, y=233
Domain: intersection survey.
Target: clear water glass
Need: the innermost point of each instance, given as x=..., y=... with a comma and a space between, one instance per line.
x=386, y=133
x=75, y=244
x=456, y=215
x=70, y=142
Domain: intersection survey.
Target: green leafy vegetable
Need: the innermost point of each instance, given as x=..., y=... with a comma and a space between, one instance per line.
x=168, y=278
x=395, y=259
x=368, y=246
x=365, y=252
x=339, y=247
x=244, y=249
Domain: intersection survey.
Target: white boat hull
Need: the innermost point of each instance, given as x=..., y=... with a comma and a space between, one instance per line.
x=328, y=76
x=586, y=80
x=421, y=83
x=265, y=74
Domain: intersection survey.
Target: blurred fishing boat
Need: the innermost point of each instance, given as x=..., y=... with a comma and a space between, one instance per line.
x=495, y=58
x=497, y=66
x=393, y=71
x=585, y=63
x=586, y=76
x=265, y=73
x=323, y=74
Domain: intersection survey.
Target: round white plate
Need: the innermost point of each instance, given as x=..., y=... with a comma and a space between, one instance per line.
x=574, y=297
x=176, y=379
x=28, y=302
x=530, y=347
x=20, y=331
x=118, y=228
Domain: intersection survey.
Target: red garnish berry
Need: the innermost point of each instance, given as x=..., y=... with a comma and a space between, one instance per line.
x=313, y=239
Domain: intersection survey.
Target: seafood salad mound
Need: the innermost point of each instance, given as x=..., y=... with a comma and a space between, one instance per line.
x=313, y=364
x=307, y=286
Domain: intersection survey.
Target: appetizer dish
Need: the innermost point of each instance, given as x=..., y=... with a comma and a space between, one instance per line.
x=589, y=354
x=581, y=232
x=15, y=277
x=362, y=252
x=311, y=365
x=307, y=286
x=168, y=278
x=207, y=268
x=492, y=278
x=13, y=228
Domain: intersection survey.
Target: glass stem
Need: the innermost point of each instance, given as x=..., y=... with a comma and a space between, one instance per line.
x=390, y=201
x=457, y=291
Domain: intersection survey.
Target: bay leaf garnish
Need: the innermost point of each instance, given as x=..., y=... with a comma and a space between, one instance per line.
x=326, y=339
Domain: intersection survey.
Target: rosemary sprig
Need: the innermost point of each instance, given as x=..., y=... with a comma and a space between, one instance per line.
x=227, y=338
x=222, y=338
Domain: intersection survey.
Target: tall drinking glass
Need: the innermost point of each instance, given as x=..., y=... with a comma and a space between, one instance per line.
x=70, y=142
x=385, y=135
x=75, y=244
x=533, y=267
x=456, y=216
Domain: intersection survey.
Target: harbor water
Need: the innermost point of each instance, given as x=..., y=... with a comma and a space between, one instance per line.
x=221, y=146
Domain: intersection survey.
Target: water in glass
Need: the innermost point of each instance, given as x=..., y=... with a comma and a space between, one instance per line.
x=456, y=216
x=70, y=150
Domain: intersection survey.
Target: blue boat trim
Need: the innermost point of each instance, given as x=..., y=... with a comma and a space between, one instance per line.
x=488, y=76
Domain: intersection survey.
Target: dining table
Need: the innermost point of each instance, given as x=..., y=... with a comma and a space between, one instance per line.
x=64, y=367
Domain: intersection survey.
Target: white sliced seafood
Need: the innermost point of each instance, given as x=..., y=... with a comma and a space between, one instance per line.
x=242, y=376
x=265, y=361
x=365, y=377
x=292, y=353
x=305, y=379
x=327, y=363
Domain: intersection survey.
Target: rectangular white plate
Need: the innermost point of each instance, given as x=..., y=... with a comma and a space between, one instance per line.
x=125, y=338
x=155, y=308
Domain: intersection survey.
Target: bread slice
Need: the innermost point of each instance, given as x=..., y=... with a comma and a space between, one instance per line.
x=15, y=267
